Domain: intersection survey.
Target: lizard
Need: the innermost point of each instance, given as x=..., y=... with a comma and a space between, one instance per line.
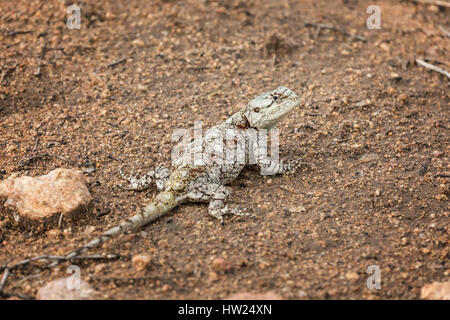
x=190, y=182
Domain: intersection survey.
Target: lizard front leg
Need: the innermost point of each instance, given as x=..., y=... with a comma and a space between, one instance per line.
x=291, y=166
x=158, y=176
x=271, y=167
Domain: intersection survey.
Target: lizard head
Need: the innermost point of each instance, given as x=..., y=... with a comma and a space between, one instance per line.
x=266, y=110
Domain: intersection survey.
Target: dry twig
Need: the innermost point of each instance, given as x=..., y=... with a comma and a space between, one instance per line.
x=24, y=162
x=115, y=63
x=438, y=3
x=57, y=260
x=445, y=31
x=431, y=67
x=5, y=276
x=40, y=58
x=321, y=26
x=13, y=33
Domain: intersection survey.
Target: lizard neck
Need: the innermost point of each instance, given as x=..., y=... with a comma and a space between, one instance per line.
x=239, y=121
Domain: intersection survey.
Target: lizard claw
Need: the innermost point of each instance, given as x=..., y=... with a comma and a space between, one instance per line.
x=244, y=212
x=126, y=177
x=294, y=165
x=218, y=215
x=123, y=187
x=134, y=183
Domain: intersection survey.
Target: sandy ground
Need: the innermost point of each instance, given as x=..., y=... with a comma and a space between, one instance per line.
x=373, y=126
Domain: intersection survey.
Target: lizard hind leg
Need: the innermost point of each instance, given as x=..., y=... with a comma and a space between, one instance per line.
x=158, y=176
x=218, y=207
x=293, y=166
x=162, y=174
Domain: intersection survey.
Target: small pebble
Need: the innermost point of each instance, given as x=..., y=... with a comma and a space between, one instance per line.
x=53, y=233
x=395, y=76
x=369, y=157
x=220, y=264
x=402, y=97
x=89, y=170
x=165, y=288
x=66, y=289
x=297, y=209
x=391, y=91
x=255, y=296
x=352, y=276
x=140, y=261
x=436, y=291
x=99, y=268
x=89, y=229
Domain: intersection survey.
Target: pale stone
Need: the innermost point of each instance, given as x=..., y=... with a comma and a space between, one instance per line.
x=89, y=230
x=220, y=264
x=395, y=76
x=100, y=268
x=385, y=47
x=138, y=43
x=352, y=276
x=369, y=157
x=433, y=8
x=140, y=261
x=436, y=291
x=270, y=295
x=53, y=233
x=60, y=191
x=402, y=97
x=297, y=209
x=66, y=289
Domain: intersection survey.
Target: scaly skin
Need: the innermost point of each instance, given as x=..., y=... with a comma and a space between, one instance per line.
x=206, y=182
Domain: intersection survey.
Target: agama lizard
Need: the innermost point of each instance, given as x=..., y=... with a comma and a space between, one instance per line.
x=190, y=182
x=187, y=182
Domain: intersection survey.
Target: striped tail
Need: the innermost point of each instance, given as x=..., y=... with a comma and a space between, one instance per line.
x=163, y=203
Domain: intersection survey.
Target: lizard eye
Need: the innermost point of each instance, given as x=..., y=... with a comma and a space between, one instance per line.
x=275, y=97
x=257, y=110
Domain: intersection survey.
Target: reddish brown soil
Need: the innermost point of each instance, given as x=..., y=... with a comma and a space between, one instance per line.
x=313, y=234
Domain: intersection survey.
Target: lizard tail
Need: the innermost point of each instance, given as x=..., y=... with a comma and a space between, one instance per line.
x=163, y=203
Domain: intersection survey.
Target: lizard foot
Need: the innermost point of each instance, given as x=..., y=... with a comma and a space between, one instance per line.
x=241, y=212
x=159, y=177
x=136, y=183
x=220, y=213
x=294, y=166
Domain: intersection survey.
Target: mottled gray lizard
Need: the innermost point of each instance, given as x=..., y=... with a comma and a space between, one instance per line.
x=188, y=182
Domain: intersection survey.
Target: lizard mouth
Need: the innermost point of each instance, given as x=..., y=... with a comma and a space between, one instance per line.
x=265, y=111
x=280, y=111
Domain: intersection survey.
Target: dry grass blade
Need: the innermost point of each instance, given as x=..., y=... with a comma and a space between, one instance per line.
x=431, y=67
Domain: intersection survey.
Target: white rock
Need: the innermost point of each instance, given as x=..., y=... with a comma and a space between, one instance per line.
x=255, y=296
x=140, y=261
x=60, y=191
x=352, y=276
x=436, y=291
x=369, y=157
x=66, y=289
x=297, y=209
